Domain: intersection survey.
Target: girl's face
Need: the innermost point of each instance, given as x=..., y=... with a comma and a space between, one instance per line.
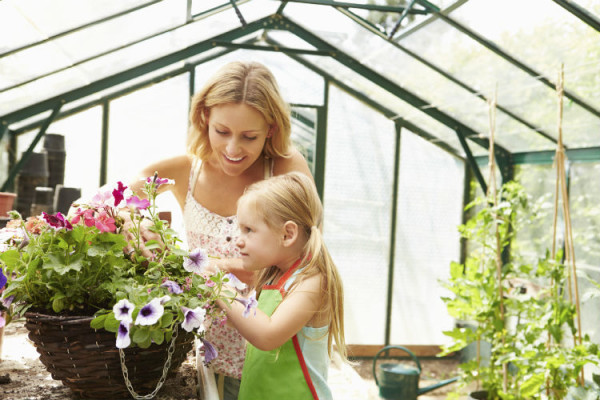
x=260, y=246
x=237, y=134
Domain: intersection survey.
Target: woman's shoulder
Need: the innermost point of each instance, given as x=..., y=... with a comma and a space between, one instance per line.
x=295, y=161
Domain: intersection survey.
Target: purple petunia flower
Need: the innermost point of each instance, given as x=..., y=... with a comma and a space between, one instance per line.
x=235, y=282
x=123, y=311
x=136, y=202
x=123, y=339
x=250, y=303
x=159, y=181
x=7, y=301
x=3, y=278
x=196, y=261
x=150, y=313
x=57, y=221
x=210, y=353
x=192, y=318
x=118, y=193
x=173, y=287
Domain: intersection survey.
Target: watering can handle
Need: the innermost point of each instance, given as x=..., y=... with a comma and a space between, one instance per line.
x=410, y=353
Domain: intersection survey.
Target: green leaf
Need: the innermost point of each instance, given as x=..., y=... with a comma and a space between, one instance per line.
x=157, y=336
x=532, y=386
x=98, y=322
x=111, y=324
x=58, y=304
x=57, y=263
x=10, y=257
x=166, y=319
x=141, y=335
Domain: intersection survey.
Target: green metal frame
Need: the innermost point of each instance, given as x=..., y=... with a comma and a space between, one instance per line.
x=394, y=220
x=362, y=6
x=580, y=13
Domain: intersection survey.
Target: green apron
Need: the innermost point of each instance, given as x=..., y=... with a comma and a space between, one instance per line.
x=280, y=373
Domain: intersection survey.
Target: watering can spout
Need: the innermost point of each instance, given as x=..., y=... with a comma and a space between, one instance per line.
x=436, y=385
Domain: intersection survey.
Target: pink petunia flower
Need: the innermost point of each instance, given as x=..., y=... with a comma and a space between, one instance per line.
x=57, y=221
x=105, y=223
x=136, y=202
x=118, y=193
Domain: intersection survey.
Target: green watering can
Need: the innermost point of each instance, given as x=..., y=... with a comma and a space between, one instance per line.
x=399, y=382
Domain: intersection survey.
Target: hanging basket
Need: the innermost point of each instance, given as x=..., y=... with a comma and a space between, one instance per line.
x=87, y=361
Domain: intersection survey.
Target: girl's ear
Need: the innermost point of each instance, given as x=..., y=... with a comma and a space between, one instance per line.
x=290, y=233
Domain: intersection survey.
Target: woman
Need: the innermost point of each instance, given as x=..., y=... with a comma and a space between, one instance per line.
x=239, y=134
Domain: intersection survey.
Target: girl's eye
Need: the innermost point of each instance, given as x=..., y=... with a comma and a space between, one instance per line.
x=250, y=138
x=221, y=132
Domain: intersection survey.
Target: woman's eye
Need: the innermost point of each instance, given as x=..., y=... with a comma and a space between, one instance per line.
x=221, y=132
x=251, y=137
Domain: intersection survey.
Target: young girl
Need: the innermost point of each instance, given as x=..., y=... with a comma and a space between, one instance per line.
x=300, y=296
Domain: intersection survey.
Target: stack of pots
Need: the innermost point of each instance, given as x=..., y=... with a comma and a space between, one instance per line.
x=33, y=173
x=39, y=184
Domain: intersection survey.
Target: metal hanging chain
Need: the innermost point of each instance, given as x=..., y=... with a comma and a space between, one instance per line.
x=162, y=379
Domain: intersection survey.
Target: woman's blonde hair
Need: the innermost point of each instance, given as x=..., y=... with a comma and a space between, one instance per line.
x=293, y=197
x=248, y=83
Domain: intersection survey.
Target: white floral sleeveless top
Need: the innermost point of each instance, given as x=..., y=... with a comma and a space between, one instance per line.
x=217, y=235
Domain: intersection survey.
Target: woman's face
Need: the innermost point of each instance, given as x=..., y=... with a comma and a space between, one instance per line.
x=237, y=134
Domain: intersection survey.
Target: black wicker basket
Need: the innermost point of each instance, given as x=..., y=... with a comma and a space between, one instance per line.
x=87, y=361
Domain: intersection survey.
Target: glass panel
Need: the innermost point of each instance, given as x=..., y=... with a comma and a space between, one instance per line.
x=565, y=39
x=357, y=195
x=298, y=84
x=584, y=199
x=304, y=135
x=146, y=126
x=15, y=30
x=118, y=61
x=517, y=91
x=54, y=17
x=391, y=102
x=429, y=210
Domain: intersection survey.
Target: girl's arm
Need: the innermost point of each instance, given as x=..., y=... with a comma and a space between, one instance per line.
x=295, y=311
x=234, y=265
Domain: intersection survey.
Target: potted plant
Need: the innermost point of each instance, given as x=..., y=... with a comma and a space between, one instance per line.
x=518, y=308
x=72, y=280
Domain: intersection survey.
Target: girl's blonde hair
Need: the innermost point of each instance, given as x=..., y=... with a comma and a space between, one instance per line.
x=293, y=197
x=248, y=83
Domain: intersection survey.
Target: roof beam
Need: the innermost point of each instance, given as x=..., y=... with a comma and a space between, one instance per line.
x=362, y=6
x=282, y=23
x=373, y=29
x=375, y=105
x=194, y=18
x=134, y=72
x=580, y=13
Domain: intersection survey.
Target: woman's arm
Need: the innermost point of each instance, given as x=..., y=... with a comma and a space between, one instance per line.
x=295, y=311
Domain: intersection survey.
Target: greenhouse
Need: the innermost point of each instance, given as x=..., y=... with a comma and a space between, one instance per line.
x=454, y=144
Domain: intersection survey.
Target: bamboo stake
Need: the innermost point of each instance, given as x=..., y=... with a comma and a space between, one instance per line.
x=569, y=246
x=493, y=193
